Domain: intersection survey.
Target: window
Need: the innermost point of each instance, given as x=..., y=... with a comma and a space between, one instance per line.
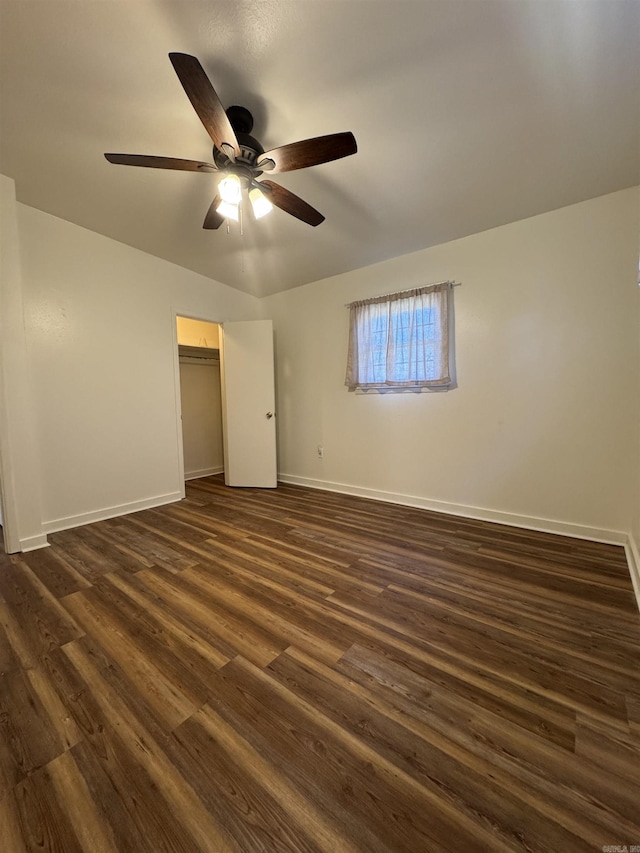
x=400, y=340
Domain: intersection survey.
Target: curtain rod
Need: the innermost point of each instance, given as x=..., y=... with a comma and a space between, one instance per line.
x=408, y=290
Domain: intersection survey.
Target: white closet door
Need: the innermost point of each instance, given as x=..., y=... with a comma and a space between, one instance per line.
x=248, y=404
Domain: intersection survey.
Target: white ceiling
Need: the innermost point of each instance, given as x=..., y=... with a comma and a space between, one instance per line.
x=468, y=114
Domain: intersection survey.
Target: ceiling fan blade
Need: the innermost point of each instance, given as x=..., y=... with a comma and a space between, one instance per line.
x=309, y=152
x=160, y=162
x=204, y=99
x=213, y=219
x=291, y=203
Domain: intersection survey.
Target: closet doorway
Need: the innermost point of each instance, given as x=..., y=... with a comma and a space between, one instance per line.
x=200, y=397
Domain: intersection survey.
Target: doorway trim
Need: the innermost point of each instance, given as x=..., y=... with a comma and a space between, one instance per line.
x=175, y=313
x=9, y=532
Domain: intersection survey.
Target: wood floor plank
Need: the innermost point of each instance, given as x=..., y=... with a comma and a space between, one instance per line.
x=121, y=797
x=150, y=548
x=233, y=634
x=468, y=672
x=611, y=751
x=32, y=603
x=14, y=651
x=56, y=573
x=481, y=792
x=176, y=806
x=45, y=823
x=136, y=797
x=510, y=752
x=403, y=815
x=56, y=714
x=11, y=832
x=184, y=634
x=243, y=791
x=119, y=555
x=295, y=670
x=479, y=603
x=287, y=618
x=218, y=552
x=578, y=679
x=88, y=562
x=168, y=699
x=91, y=829
x=633, y=713
x=146, y=635
x=29, y=737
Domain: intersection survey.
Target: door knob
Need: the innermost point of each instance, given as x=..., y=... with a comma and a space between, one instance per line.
x=269, y=415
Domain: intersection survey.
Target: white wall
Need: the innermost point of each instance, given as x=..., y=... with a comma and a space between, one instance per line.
x=201, y=399
x=197, y=333
x=544, y=423
x=101, y=327
x=634, y=544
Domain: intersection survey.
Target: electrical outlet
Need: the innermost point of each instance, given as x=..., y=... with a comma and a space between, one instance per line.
x=320, y=452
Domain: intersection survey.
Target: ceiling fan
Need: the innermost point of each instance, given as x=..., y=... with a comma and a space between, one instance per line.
x=239, y=157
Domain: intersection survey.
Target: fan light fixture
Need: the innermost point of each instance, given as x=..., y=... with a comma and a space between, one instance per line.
x=225, y=208
x=230, y=189
x=230, y=192
x=259, y=203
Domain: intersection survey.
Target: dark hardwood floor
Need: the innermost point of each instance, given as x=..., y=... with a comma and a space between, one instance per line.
x=296, y=670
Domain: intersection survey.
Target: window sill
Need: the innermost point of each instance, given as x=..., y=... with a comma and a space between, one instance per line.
x=403, y=389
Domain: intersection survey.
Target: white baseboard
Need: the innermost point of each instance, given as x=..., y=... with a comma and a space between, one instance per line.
x=31, y=543
x=544, y=525
x=109, y=512
x=204, y=472
x=633, y=559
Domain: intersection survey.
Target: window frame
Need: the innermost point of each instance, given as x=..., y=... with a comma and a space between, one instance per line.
x=391, y=319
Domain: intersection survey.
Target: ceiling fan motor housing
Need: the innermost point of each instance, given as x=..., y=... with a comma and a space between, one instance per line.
x=250, y=149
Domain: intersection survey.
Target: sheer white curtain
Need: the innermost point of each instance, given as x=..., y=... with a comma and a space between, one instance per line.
x=400, y=340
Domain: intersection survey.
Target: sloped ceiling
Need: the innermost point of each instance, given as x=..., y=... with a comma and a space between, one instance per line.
x=467, y=115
